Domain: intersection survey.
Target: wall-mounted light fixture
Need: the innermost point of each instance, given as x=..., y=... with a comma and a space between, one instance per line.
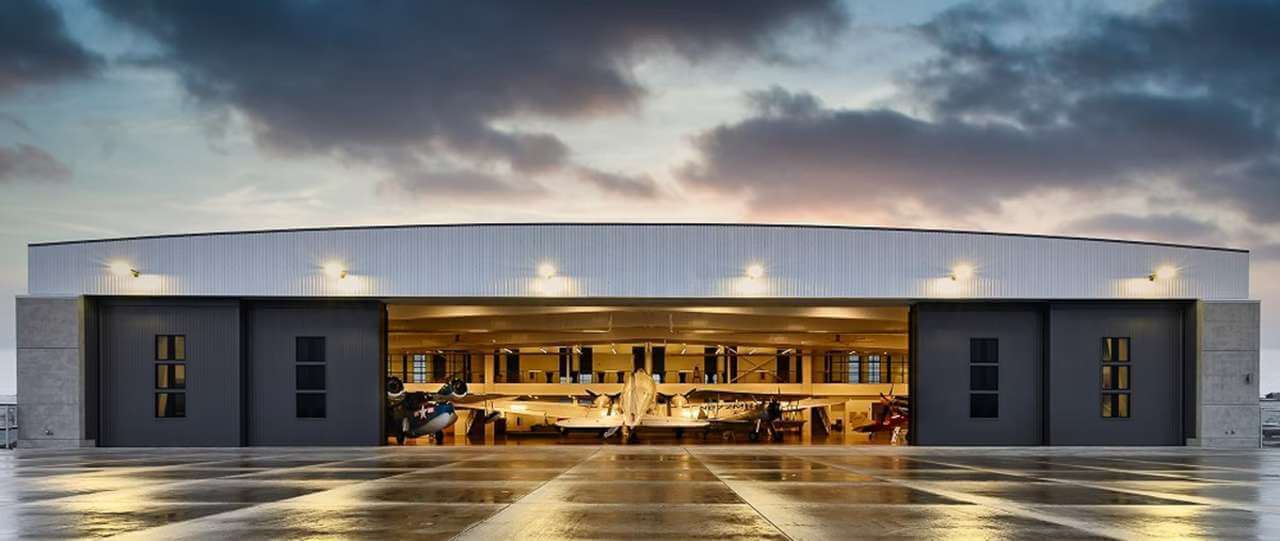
x=546, y=271
x=122, y=268
x=755, y=271
x=335, y=270
x=963, y=271
x=1167, y=272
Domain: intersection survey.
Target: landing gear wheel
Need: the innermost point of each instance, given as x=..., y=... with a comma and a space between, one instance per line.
x=404, y=430
x=440, y=437
x=727, y=435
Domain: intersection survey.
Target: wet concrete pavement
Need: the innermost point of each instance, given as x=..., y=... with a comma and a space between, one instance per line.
x=711, y=492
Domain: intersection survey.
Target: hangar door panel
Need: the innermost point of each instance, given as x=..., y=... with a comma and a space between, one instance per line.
x=316, y=373
x=1129, y=355
x=170, y=372
x=977, y=374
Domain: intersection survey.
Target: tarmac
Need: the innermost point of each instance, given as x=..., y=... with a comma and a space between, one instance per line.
x=641, y=492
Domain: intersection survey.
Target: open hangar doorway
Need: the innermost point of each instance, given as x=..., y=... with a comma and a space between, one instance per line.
x=548, y=373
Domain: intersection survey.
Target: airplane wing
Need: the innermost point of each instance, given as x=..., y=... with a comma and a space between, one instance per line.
x=554, y=410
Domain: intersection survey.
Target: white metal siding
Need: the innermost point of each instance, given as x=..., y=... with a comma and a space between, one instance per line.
x=594, y=260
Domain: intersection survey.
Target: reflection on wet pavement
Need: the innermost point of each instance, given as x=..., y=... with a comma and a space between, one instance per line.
x=610, y=491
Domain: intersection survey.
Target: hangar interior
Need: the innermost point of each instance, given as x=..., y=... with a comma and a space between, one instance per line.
x=849, y=355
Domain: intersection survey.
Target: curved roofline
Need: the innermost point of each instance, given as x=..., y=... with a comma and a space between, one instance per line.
x=651, y=224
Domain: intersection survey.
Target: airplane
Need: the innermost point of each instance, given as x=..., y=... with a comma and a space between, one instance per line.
x=761, y=417
x=636, y=406
x=415, y=414
x=895, y=419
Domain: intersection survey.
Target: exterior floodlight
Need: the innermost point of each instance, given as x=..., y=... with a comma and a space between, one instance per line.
x=1166, y=272
x=546, y=271
x=335, y=270
x=961, y=272
x=120, y=268
x=755, y=272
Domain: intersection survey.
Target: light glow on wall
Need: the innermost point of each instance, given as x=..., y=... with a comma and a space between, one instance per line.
x=962, y=272
x=123, y=268
x=1165, y=272
x=335, y=270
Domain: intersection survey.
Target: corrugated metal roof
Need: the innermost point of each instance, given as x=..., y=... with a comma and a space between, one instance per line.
x=635, y=261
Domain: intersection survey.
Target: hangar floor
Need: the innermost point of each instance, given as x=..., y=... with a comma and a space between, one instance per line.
x=818, y=492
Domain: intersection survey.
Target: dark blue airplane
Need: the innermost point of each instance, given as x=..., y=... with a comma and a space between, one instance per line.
x=415, y=414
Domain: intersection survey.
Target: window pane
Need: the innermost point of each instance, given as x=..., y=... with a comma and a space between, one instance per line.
x=1122, y=351
x=1122, y=377
x=984, y=378
x=984, y=350
x=1106, y=378
x=984, y=405
x=310, y=377
x=310, y=405
x=180, y=348
x=171, y=404
x=162, y=348
x=1106, y=405
x=171, y=376
x=1106, y=350
x=310, y=349
x=1122, y=405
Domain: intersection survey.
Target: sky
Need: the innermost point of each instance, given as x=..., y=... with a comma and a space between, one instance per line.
x=1153, y=120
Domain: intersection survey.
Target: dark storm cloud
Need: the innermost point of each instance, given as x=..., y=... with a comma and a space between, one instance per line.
x=35, y=49
x=27, y=163
x=359, y=78
x=1183, y=91
x=836, y=157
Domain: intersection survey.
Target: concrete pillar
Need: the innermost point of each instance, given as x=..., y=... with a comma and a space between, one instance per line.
x=52, y=373
x=807, y=364
x=1228, y=414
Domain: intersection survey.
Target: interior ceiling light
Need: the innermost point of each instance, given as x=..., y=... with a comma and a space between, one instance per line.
x=546, y=271
x=1167, y=272
x=963, y=271
x=755, y=271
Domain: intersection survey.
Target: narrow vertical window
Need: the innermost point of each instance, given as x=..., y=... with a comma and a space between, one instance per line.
x=984, y=378
x=1115, y=385
x=310, y=378
x=171, y=375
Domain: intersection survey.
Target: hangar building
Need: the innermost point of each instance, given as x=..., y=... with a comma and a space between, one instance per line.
x=286, y=337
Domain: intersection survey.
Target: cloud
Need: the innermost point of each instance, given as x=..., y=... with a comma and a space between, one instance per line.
x=433, y=78
x=1182, y=92
x=35, y=48
x=631, y=186
x=25, y=162
x=1158, y=227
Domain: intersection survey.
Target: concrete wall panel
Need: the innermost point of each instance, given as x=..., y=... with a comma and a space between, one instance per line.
x=1228, y=344
x=51, y=372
